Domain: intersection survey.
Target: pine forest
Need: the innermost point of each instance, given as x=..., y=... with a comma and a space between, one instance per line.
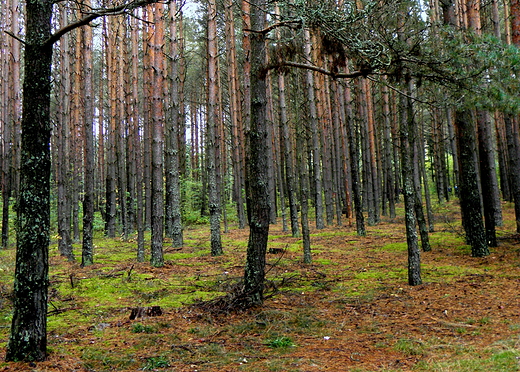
x=254, y=185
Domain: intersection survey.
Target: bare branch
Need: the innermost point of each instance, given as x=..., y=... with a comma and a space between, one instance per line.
x=116, y=10
x=273, y=26
x=335, y=75
x=15, y=37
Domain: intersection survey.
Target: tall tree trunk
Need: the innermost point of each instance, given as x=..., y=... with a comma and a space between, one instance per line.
x=465, y=132
x=147, y=118
x=503, y=163
x=287, y=153
x=316, y=155
x=28, y=339
x=121, y=131
x=513, y=146
x=12, y=122
x=470, y=200
x=137, y=145
x=304, y=194
x=354, y=161
x=236, y=115
x=419, y=210
x=256, y=184
x=389, y=173
x=172, y=151
x=511, y=123
x=87, y=255
x=407, y=146
x=213, y=119
x=63, y=145
x=110, y=191
x=488, y=178
x=157, y=258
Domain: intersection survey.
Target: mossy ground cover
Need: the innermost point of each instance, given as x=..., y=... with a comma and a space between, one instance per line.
x=351, y=309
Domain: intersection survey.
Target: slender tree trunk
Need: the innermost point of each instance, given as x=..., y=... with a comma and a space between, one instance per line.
x=121, y=130
x=488, y=179
x=101, y=175
x=137, y=161
x=354, y=167
x=87, y=256
x=503, y=164
x=304, y=195
x=63, y=145
x=213, y=119
x=147, y=119
x=236, y=115
x=110, y=191
x=511, y=123
x=513, y=146
x=316, y=156
x=407, y=146
x=389, y=173
x=12, y=122
x=157, y=233
x=174, y=122
x=419, y=210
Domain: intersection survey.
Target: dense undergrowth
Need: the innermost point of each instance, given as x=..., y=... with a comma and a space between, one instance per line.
x=351, y=309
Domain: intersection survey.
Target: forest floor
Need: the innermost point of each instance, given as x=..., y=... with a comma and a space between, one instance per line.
x=350, y=310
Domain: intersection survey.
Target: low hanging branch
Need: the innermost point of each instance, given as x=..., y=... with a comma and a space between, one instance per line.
x=335, y=75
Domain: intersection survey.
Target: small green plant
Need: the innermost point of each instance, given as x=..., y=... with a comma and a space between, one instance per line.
x=156, y=362
x=410, y=347
x=280, y=342
x=484, y=320
x=140, y=328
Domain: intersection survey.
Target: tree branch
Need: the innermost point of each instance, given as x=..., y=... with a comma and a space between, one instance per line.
x=120, y=9
x=272, y=27
x=334, y=75
x=15, y=37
